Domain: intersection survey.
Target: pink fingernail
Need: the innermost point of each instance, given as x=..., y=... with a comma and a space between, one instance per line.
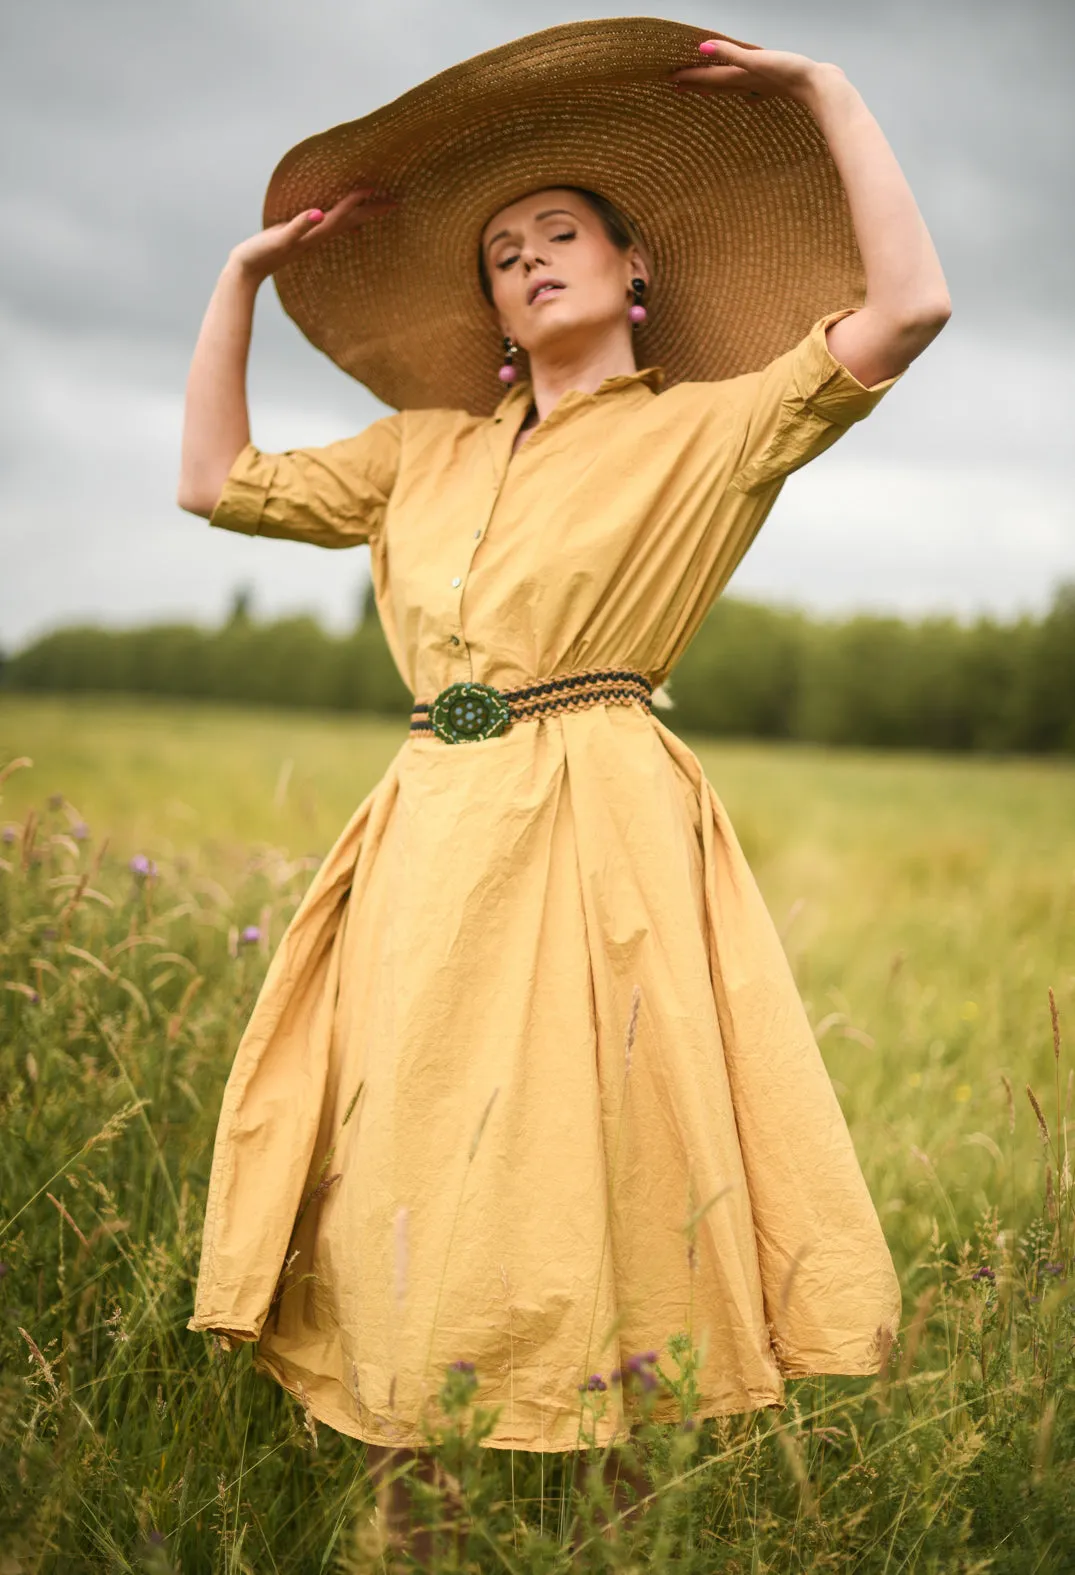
x=708, y=47
x=315, y=215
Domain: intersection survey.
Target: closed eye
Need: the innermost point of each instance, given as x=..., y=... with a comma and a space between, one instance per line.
x=506, y=262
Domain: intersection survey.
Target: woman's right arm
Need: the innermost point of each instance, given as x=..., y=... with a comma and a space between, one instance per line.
x=216, y=426
x=216, y=423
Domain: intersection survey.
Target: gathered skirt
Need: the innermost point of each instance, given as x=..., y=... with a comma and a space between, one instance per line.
x=529, y=1085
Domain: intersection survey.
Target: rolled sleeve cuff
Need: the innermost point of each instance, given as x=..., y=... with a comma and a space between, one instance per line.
x=241, y=504
x=827, y=387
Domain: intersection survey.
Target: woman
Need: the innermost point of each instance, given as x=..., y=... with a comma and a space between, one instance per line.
x=529, y=1085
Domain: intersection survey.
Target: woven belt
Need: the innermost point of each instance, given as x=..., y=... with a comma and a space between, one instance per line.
x=467, y=712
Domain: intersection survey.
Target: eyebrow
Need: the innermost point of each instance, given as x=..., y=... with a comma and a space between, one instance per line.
x=549, y=213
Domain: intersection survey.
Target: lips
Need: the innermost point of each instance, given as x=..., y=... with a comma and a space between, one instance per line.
x=542, y=288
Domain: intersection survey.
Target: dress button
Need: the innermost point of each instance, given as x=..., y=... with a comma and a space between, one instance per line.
x=455, y=639
x=456, y=582
x=477, y=533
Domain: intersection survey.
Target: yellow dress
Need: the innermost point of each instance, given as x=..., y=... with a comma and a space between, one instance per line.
x=433, y=1145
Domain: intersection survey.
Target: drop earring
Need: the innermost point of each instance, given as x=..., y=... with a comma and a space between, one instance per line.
x=636, y=311
x=507, y=373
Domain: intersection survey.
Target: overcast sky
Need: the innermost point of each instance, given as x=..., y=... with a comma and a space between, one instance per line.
x=138, y=139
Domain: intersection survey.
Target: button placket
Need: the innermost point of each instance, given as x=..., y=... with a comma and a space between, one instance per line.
x=457, y=638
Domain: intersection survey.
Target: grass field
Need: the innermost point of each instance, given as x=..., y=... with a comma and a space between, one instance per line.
x=928, y=906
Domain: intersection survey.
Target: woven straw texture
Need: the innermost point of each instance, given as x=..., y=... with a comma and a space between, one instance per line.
x=738, y=201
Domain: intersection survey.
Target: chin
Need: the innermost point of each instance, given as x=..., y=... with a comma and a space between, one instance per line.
x=562, y=326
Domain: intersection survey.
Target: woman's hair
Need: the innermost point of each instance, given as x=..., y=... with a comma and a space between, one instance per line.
x=618, y=227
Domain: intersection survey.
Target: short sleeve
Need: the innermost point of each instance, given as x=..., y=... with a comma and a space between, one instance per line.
x=334, y=496
x=798, y=406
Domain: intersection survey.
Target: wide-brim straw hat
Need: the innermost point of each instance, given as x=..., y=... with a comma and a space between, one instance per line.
x=738, y=202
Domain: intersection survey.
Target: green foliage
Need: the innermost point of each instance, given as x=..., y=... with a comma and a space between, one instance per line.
x=292, y=662
x=740, y=676
x=751, y=672
x=939, y=906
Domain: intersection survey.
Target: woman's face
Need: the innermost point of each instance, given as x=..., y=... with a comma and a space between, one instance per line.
x=555, y=275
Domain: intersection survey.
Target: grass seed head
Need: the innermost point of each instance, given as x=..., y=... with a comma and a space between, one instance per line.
x=1043, y=1127
x=1055, y=1015
x=1010, y=1096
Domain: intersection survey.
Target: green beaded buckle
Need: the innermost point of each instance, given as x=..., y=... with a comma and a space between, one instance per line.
x=467, y=713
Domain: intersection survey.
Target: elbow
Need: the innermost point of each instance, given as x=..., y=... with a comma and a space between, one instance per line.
x=194, y=497
x=937, y=313
x=913, y=315
x=190, y=503
x=910, y=331
x=203, y=476
x=926, y=318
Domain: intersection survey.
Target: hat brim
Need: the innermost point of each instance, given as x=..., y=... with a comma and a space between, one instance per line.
x=737, y=199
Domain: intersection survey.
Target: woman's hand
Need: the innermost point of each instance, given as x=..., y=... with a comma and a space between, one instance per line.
x=263, y=253
x=759, y=73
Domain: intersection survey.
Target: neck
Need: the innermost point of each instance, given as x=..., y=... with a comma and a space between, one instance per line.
x=584, y=367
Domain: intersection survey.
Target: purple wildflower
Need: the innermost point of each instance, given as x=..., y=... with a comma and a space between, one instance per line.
x=1052, y=1268
x=49, y=933
x=156, y=1538
x=638, y=1366
x=462, y=1366
x=8, y=834
x=80, y=831
x=643, y=1359
x=251, y=935
x=984, y=1272
x=140, y=865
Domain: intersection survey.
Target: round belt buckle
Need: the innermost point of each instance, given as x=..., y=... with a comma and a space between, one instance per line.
x=467, y=713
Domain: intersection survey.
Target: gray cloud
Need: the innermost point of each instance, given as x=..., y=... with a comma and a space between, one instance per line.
x=139, y=142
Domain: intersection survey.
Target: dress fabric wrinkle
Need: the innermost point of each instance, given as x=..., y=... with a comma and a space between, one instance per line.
x=432, y=1145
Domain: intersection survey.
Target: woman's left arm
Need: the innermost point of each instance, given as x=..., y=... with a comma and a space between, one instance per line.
x=907, y=302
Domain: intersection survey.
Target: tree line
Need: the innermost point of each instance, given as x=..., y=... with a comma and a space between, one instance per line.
x=752, y=671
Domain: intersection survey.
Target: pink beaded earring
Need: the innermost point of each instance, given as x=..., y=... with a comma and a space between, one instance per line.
x=636, y=311
x=507, y=373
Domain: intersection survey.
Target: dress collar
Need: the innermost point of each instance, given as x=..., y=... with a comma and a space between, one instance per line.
x=651, y=377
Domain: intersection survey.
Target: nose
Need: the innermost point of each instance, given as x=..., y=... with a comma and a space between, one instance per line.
x=532, y=259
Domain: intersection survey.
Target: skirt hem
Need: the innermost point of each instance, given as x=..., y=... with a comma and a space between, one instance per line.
x=408, y=1436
